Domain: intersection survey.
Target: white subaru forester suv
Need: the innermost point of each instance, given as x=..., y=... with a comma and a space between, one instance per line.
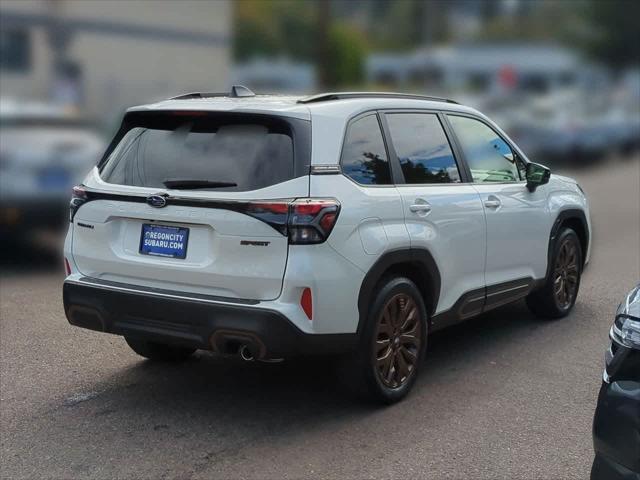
x=341, y=223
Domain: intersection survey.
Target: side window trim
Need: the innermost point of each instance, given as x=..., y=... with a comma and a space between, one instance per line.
x=396, y=169
x=498, y=134
x=398, y=176
x=463, y=167
x=349, y=123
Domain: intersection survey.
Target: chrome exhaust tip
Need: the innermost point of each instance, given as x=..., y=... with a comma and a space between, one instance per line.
x=245, y=353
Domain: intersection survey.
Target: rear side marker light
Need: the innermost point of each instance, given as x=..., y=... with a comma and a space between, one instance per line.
x=67, y=267
x=327, y=221
x=306, y=302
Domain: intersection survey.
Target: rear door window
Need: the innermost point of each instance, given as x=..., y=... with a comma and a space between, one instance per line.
x=422, y=148
x=364, y=157
x=203, y=152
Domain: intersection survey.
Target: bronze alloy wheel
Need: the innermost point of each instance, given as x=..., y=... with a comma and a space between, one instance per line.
x=397, y=341
x=566, y=274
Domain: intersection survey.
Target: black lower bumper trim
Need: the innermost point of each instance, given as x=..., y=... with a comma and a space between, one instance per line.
x=194, y=323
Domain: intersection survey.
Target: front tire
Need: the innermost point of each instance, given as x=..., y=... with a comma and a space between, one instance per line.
x=560, y=291
x=159, y=351
x=393, y=342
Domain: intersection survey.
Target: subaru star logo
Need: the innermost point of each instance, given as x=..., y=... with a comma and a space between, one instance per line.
x=157, y=201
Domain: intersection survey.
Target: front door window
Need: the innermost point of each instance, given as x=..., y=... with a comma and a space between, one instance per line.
x=489, y=157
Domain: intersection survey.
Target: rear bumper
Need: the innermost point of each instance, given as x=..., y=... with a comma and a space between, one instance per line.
x=194, y=321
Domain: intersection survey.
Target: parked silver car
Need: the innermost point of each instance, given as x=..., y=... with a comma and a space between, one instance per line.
x=44, y=151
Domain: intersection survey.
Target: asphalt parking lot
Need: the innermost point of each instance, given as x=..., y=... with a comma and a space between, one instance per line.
x=501, y=396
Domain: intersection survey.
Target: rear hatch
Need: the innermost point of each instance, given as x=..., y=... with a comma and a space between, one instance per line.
x=194, y=202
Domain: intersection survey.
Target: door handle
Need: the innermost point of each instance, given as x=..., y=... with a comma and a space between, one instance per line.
x=492, y=202
x=420, y=207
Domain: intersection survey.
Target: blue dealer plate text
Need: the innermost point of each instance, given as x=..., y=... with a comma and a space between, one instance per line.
x=164, y=241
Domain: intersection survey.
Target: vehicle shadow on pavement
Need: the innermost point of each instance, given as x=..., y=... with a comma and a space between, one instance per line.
x=211, y=410
x=214, y=388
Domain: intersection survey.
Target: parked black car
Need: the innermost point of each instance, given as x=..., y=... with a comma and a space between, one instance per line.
x=616, y=425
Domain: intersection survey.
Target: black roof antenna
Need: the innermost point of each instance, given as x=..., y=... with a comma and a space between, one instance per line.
x=240, y=91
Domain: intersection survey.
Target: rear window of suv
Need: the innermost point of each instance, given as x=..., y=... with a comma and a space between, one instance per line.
x=202, y=151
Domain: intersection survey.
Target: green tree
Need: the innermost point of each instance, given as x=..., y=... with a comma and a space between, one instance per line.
x=274, y=27
x=347, y=49
x=292, y=28
x=615, y=36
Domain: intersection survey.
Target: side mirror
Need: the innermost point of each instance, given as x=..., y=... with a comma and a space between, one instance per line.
x=537, y=175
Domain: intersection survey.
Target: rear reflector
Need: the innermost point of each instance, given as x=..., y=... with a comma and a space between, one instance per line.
x=67, y=267
x=306, y=302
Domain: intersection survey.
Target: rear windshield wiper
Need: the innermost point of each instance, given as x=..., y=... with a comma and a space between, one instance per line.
x=196, y=184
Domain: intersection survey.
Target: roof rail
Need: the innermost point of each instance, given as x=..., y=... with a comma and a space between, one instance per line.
x=237, y=91
x=322, y=97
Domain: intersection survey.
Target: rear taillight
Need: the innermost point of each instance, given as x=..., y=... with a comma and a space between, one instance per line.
x=311, y=220
x=273, y=213
x=67, y=267
x=78, y=197
x=304, y=221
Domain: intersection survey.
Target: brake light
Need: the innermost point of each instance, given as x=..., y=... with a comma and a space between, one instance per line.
x=306, y=302
x=273, y=213
x=187, y=113
x=270, y=207
x=78, y=197
x=312, y=220
x=304, y=221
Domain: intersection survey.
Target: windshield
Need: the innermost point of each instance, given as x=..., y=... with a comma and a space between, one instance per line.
x=204, y=152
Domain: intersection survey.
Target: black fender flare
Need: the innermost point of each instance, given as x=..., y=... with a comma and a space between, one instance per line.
x=564, y=215
x=421, y=257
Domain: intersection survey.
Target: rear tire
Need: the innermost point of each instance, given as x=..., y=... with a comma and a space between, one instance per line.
x=560, y=291
x=159, y=351
x=393, y=342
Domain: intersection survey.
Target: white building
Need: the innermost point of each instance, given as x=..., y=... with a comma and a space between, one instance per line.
x=278, y=75
x=104, y=55
x=481, y=67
